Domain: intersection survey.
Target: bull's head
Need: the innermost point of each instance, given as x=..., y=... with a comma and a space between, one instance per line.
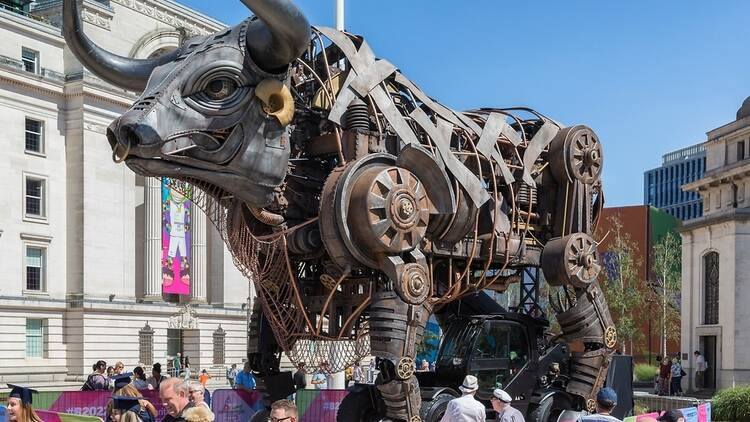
x=213, y=111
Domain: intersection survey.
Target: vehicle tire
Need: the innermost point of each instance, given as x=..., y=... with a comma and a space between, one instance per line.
x=550, y=408
x=261, y=416
x=357, y=406
x=433, y=410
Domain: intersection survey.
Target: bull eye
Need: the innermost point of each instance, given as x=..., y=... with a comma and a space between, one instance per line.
x=220, y=88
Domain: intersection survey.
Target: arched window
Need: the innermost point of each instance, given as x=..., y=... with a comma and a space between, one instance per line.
x=711, y=288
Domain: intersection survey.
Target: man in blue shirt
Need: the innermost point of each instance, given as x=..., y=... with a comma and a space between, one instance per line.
x=245, y=379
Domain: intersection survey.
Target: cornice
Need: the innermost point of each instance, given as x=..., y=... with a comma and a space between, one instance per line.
x=167, y=13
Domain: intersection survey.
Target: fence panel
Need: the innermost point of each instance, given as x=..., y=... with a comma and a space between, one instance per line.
x=235, y=405
x=319, y=405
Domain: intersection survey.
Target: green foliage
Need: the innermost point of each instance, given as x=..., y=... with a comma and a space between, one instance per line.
x=623, y=289
x=645, y=372
x=666, y=286
x=731, y=405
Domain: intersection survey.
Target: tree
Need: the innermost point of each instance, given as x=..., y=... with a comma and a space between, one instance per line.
x=622, y=288
x=666, y=285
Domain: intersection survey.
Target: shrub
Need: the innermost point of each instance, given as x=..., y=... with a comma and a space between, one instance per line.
x=645, y=372
x=732, y=404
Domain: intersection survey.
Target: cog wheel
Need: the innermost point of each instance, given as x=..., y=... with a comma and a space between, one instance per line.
x=414, y=286
x=610, y=337
x=591, y=405
x=576, y=154
x=571, y=259
x=405, y=368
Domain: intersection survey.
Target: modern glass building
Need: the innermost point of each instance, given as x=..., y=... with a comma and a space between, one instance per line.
x=662, y=185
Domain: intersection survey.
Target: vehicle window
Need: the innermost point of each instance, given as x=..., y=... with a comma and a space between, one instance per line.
x=503, y=345
x=456, y=343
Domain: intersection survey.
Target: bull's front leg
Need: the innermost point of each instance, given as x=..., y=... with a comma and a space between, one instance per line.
x=397, y=322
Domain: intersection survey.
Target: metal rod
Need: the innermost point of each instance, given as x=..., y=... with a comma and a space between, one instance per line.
x=339, y=15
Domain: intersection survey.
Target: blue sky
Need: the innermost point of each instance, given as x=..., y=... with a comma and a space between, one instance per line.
x=648, y=77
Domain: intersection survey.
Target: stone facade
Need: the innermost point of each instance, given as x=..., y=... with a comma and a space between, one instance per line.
x=87, y=222
x=716, y=260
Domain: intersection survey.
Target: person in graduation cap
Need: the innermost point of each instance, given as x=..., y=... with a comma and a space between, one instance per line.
x=19, y=405
x=123, y=387
x=125, y=409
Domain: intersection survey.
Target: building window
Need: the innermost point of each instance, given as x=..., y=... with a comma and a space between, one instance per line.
x=36, y=271
x=30, y=59
x=146, y=345
x=35, y=338
x=34, y=136
x=711, y=288
x=740, y=150
x=219, y=345
x=35, y=203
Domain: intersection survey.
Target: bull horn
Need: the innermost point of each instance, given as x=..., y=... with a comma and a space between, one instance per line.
x=276, y=99
x=279, y=36
x=131, y=74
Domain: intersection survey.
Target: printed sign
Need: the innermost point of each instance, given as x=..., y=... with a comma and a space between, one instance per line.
x=235, y=405
x=319, y=405
x=48, y=416
x=175, y=240
x=94, y=403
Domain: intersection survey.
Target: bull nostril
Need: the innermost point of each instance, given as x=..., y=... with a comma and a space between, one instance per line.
x=129, y=137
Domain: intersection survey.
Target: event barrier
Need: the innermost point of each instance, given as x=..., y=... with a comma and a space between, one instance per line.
x=700, y=413
x=48, y=416
x=227, y=405
x=312, y=405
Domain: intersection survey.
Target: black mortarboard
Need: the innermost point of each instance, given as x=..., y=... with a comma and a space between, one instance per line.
x=23, y=393
x=122, y=380
x=125, y=403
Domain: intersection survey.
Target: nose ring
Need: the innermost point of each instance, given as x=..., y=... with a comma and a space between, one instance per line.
x=116, y=148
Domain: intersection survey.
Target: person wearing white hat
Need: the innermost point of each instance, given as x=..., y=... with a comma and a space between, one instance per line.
x=465, y=408
x=501, y=403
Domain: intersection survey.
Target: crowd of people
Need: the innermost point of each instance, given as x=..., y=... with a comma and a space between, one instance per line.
x=669, y=377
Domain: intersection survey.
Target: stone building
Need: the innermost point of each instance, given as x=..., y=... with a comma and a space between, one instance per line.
x=716, y=259
x=80, y=236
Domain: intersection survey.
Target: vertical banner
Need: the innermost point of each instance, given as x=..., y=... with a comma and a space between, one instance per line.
x=175, y=240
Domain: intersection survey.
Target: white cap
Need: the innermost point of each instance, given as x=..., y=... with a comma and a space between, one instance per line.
x=502, y=395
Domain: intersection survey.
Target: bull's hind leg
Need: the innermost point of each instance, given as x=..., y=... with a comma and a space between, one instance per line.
x=396, y=327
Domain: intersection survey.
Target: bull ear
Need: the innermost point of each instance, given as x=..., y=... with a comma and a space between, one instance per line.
x=276, y=99
x=279, y=36
x=122, y=71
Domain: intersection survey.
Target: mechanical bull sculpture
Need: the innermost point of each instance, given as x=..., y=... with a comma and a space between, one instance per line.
x=354, y=202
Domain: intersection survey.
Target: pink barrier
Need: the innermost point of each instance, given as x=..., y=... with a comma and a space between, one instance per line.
x=94, y=403
x=48, y=416
x=235, y=405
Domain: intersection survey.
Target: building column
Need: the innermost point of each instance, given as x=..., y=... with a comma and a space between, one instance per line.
x=198, y=259
x=152, y=280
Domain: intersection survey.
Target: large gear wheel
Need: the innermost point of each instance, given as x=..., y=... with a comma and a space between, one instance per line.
x=390, y=210
x=571, y=259
x=576, y=154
